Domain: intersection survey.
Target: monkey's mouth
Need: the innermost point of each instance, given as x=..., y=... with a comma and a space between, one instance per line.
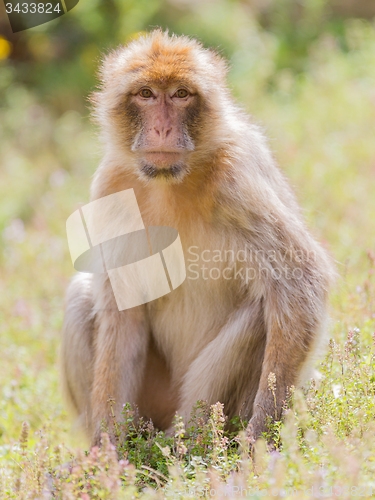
x=163, y=158
x=167, y=165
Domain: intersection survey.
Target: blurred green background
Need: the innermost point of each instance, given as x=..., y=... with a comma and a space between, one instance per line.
x=304, y=69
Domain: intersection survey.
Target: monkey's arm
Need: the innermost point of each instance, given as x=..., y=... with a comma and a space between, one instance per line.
x=292, y=276
x=295, y=321
x=120, y=349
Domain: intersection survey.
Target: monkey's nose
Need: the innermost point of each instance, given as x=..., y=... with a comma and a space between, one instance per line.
x=162, y=132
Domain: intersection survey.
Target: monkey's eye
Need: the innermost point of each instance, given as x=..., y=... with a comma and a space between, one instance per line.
x=181, y=93
x=146, y=93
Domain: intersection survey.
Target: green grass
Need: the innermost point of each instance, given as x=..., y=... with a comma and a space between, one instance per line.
x=321, y=128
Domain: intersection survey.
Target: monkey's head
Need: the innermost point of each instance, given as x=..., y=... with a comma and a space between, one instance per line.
x=161, y=105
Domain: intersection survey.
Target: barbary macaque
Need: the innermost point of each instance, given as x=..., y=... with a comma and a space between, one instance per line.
x=172, y=132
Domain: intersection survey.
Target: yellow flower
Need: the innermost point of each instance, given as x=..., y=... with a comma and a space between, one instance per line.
x=5, y=48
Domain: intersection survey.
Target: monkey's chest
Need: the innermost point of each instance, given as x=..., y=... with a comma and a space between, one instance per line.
x=186, y=320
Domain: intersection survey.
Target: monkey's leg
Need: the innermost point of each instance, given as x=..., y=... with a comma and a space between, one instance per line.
x=229, y=367
x=120, y=354
x=76, y=355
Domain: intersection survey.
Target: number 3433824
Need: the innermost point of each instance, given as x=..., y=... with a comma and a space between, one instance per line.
x=33, y=8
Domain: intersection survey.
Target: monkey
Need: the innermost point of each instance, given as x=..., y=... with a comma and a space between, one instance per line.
x=197, y=162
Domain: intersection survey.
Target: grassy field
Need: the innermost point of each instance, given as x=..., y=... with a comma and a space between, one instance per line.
x=321, y=127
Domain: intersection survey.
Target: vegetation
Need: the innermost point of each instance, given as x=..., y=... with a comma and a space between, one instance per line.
x=310, y=81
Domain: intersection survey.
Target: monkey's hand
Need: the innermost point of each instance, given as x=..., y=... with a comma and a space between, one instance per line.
x=255, y=428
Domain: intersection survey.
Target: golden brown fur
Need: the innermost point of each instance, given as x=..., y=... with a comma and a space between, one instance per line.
x=215, y=339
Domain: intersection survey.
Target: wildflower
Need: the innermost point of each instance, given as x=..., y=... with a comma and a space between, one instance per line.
x=272, y=382
x=24, y=437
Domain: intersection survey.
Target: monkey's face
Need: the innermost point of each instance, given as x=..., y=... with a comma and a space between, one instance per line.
x=161, y=122
x=161, y=106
